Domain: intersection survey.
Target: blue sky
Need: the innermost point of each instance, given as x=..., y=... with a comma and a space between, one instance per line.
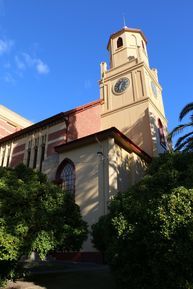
x=50, y=51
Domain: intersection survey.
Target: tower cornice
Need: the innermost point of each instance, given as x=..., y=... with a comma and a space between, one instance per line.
x=126, y=29
x=122, y=69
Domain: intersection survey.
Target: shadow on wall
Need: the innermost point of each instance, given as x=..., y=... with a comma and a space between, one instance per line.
x=140, y=132
x=87, y=172
x=94, y=193
x=128, y=172
x=88, y=194
x=72, y=132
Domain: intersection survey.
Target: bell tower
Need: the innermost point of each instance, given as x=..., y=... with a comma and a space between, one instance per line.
x=125, y=45
x=131, y=93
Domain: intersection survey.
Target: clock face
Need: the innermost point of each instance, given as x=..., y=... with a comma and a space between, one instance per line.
x=121, y=85
x=154, y=89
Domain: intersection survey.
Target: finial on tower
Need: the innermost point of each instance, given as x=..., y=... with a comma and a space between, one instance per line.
x=124, y=22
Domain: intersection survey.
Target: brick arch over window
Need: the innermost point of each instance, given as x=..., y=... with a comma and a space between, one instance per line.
x=65, y=176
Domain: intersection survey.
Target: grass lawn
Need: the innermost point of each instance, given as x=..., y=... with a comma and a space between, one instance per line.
x=74, y=280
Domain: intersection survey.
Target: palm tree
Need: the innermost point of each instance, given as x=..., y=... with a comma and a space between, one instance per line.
x=185, y=142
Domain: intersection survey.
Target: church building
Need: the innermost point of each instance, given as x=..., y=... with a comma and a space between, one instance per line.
x=101, y=148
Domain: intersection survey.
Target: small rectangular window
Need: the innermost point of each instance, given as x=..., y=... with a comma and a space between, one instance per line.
x=3, y=157
x=8, y=155
x=42, y=156
x=28, y=157
x=35, y=157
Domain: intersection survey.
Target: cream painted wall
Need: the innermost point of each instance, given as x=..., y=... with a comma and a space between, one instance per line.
x=150, y=79
x=134, y=122
x=13, y=117
x=90, y=185
x=100, y=176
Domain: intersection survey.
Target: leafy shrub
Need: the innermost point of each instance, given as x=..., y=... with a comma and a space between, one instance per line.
x=35, y=215
x=150, y=228
x=101, y=234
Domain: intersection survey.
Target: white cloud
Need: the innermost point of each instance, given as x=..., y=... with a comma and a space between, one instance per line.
x=41, y=67
x=25, y=61
x=5, y=46
x=19, y=63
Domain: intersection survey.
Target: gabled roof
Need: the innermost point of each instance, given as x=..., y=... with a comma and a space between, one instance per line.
x=125, y=28
x=119, y=137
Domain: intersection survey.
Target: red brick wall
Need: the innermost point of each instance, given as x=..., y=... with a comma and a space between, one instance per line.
x=16, y=160
x=81, y=123
x=57, y=134
x=84, y=122
x=50, y=148
x=18, y=149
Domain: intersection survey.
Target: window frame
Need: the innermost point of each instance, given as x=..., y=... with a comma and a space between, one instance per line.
x=60, y=181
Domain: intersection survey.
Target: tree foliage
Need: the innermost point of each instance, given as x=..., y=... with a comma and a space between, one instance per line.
x=150, y=228
x=35, y=215
x=185, y=142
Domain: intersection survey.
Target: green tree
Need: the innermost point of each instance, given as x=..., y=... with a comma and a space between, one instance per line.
x=35, y=215
x=184, y=142
x=101, y=234
x=150, y=242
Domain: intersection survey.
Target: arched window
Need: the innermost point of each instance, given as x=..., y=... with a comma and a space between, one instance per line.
x=65, y=176
x=133, y=40
x=161, y=133
x=119, y=42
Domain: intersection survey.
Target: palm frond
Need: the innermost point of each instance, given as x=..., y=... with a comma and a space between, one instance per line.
x=189, y=146
x=184, y=144
x=179, y=129
x=182, y=138
x=186, y=110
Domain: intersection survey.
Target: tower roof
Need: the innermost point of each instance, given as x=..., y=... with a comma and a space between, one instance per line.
x=125, y=28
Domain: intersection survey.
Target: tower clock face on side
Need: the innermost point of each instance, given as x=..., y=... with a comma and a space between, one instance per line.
x=121, y=85
x=154, y=89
